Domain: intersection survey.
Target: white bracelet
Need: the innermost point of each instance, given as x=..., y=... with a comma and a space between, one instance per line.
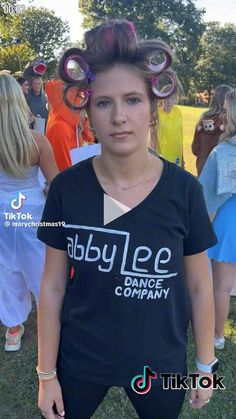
x=46, y=375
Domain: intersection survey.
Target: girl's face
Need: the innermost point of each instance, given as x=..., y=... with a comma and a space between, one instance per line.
x=25, y=88
x=120, y=110
x=167, y=104
x=36, y=85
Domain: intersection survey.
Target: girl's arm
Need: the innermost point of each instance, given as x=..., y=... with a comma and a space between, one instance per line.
x=47, y=161
x=50, y=304
x=195, y=143
x=200, y=292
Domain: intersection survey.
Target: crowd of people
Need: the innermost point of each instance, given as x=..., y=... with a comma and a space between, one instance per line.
x=115, y=296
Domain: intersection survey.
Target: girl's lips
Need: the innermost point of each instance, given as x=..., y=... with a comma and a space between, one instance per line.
x=120, y=135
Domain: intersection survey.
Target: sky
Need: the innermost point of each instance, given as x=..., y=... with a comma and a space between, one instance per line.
x=223, y=11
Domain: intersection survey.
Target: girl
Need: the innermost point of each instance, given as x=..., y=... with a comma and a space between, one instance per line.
x=22, y=151
x=218, y=178
x=130, y=248
x=169, y=140
x=210, y=127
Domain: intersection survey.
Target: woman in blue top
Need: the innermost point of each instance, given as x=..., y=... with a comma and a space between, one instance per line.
x=218, y=178
x=125, y=250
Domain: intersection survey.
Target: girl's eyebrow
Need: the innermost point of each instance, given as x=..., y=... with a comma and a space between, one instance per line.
x=133, y=93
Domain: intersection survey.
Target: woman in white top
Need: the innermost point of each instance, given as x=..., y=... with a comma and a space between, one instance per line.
x=22, y=152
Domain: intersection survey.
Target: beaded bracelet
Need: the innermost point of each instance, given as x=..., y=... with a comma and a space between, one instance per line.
x=46, y=375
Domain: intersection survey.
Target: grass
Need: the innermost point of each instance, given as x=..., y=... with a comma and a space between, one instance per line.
x=190, y=117
x=18, y=383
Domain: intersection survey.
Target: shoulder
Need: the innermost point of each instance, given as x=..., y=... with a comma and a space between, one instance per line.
x=30, y=96
x=217, y=150
x=176, y=110
x=181, y=179
x=39, y=137
x=74, y=175
x=41, y=141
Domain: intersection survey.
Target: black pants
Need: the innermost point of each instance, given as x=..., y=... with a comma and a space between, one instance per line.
x=81, y=399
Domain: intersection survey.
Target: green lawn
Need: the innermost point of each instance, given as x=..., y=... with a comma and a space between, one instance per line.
x=190, y=118
x=18, y=383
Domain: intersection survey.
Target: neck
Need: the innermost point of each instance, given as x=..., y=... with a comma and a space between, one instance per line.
x=123, y=170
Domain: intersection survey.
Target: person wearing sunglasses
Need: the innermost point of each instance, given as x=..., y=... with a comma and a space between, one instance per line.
x=128, y=252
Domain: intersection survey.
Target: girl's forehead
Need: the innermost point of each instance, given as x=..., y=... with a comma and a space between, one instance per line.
x=119, y=78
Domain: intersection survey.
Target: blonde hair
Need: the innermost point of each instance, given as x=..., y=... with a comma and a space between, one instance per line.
x=230, y=127
x=16, y=139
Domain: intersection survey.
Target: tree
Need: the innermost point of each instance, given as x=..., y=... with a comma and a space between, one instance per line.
x=178, y=22
x=42, y=30
x=5, y=6
x=217, y=63
x=14, y=56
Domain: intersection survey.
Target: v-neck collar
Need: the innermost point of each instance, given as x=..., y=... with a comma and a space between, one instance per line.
x=157, y=188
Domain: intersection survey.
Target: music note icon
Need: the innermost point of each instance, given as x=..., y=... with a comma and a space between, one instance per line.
x=141, y=384
x=17, y=203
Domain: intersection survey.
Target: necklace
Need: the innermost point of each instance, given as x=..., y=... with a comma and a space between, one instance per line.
x=126, y=188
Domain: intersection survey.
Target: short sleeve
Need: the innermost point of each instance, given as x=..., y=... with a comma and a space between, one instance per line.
x=208, y=179
x=201, y=235
x=50, y=231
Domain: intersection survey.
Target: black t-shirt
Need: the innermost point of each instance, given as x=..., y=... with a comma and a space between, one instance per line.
x=126, y=303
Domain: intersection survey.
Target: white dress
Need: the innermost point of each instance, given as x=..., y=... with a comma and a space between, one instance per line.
x=21, y=253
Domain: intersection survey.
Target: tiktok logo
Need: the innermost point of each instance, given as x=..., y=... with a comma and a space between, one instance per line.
x=17, y=203
x=141, y=384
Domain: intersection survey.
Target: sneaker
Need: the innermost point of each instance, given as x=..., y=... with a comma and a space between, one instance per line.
x=13, y=340
x=219, y=343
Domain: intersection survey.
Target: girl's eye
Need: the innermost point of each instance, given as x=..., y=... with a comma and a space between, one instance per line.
x=102, y=103
x=134, y=100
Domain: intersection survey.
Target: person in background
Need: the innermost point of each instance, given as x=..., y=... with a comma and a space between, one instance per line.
x=23, y=82
x=37, y=99
x=169, y=137
x=105, y=280
x=66, y=129
x=25, y=86
x=210, y=127
x=22, y=152
x=218, y=177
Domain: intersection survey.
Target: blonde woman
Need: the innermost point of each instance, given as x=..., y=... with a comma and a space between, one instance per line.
x=170, y=130
x=22, y=200
x=218, y=177
x=210, y=127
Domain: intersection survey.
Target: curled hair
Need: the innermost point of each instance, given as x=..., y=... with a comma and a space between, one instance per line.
x=16, y=140
x=230, y=107
x=116, y=42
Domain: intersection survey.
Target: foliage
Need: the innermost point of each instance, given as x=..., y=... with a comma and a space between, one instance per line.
x=4, y=6
x=42, y=30
x=217, y=63
x=178, y=22
x=33, y=32
x=14, y=57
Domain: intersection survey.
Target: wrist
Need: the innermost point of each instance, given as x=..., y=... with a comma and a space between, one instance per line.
x=46, y=375
x=209, y=368
x=49, y=380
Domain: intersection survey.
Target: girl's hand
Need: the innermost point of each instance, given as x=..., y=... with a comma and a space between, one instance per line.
x=50, y=395
x=201, y=396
